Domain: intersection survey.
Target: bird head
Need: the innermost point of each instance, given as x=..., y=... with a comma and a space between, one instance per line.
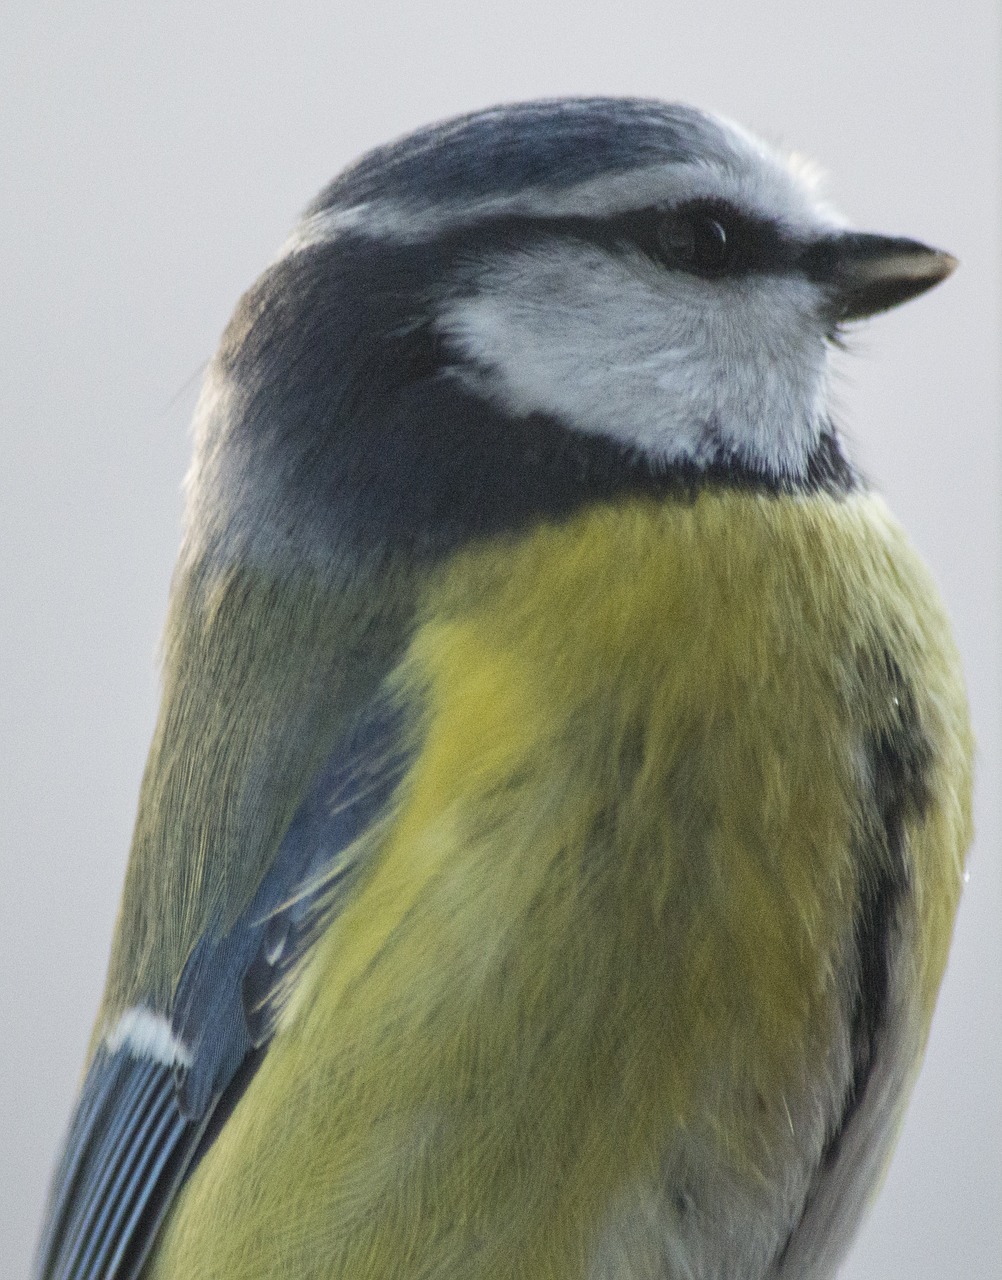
x=470, y=321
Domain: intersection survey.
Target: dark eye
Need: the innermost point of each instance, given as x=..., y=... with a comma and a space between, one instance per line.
x=694, y=241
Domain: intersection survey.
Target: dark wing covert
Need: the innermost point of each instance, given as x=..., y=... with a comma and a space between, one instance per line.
x=142, y=1121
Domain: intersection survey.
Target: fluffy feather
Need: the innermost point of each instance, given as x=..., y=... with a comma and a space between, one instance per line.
x=623, y=965
x=592, y=1007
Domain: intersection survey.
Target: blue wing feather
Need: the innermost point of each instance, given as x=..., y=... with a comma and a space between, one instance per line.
x=230, y=992
x=127, y=1119
x=141, y=1124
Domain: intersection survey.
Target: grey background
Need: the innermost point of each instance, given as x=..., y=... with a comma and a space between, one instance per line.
x=152, y=159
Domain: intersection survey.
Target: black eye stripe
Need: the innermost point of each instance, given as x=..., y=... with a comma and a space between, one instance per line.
x=722, y=240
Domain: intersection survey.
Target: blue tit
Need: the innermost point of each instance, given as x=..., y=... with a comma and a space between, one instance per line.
x=550, y=841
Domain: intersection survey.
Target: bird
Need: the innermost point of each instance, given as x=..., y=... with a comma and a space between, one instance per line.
x=549, y=845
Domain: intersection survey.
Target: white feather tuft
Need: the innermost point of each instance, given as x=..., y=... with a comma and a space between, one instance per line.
x=146, y=1034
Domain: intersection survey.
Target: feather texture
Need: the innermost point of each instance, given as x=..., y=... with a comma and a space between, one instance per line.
x=158, y=1089
x=550, y=841
x=599, y=882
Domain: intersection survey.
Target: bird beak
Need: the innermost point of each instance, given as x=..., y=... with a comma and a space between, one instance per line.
x=865, y=274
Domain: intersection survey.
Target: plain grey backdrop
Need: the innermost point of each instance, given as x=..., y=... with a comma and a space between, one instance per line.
x=152, y=158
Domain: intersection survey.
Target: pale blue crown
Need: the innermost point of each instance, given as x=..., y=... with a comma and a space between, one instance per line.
x=512, y=149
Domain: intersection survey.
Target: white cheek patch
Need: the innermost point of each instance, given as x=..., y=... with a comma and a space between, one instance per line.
x=684, y=369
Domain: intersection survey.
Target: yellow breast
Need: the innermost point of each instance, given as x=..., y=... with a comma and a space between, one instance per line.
x=602, y=938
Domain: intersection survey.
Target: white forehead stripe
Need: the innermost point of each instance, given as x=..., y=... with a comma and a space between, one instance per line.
x=759, y=182
x=145, y=1034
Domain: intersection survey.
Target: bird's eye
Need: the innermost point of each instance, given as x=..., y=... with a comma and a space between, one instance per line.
x=694, y=241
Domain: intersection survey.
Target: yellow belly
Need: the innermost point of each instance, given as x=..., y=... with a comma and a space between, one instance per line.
x=600, y=943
